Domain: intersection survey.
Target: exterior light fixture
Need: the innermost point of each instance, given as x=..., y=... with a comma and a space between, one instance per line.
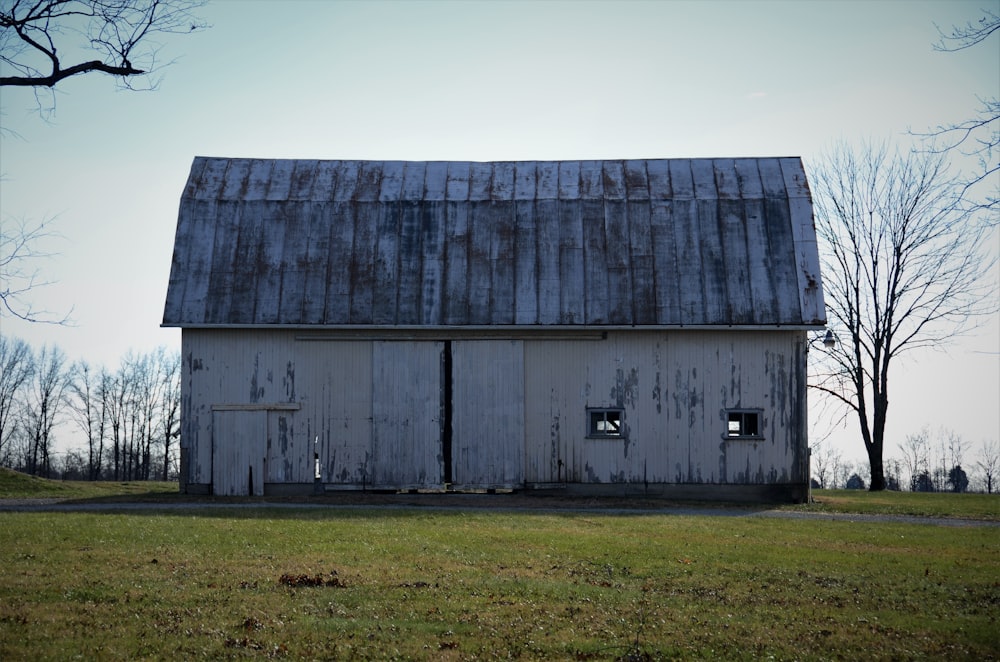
x=829, y=340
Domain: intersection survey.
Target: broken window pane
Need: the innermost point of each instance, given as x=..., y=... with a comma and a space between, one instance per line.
x=605, y=423
x=743, y=424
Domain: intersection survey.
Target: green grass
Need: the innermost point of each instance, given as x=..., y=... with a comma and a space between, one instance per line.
x=15, y=485
x=917, y=504
x=435, y=584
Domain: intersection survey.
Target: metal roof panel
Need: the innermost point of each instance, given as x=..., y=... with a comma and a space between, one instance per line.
x=661, y=242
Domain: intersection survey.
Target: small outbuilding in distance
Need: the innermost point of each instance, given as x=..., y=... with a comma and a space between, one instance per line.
x=635, y=327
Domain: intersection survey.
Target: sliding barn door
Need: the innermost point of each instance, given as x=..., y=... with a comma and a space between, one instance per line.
x=487, y=413
x=406, y=408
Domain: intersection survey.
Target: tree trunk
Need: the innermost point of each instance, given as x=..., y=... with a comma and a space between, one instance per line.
x=876, y=446
x=166, y=456
x=878, y=471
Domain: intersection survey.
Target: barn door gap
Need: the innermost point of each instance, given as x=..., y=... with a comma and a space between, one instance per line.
x=447, y=388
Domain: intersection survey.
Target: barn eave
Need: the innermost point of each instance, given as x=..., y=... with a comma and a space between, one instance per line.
x=507, y=330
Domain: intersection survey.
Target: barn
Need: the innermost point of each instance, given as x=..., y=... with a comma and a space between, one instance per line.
x=629, y=327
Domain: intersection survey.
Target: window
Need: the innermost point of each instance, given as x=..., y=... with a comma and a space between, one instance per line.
x=744, y=424
x=605, y=423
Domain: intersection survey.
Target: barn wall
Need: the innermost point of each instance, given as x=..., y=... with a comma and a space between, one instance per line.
x=316, y=396
x=235, y=379
x=373, y=413
x=675, y=389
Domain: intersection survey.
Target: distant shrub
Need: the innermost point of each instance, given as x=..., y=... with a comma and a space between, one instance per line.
x=922, y=482
x=958, y=479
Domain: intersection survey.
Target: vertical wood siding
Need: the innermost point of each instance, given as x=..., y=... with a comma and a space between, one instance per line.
x=372, y=409
x=336, y=394
x=238, y=450
x=406, y=406
x=316, y=396
x=675, y=389
x=488, y=404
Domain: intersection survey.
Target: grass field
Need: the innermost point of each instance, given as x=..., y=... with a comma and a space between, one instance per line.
x=334, y=583
x=18, y=485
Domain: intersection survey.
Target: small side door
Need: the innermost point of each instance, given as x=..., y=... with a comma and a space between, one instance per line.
x=239, y=444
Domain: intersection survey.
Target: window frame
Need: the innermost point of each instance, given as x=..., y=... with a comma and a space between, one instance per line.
x=743, y=413
x=594, y=433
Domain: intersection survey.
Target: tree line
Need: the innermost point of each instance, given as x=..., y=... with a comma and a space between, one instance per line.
x=126, y=419
x=925, y=462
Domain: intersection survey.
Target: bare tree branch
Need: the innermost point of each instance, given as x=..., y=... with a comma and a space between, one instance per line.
x=46, y=41
x=978, y=137
x=968, y=35
x=20, y=253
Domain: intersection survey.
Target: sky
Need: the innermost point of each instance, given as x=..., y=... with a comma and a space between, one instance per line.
x=484, y=81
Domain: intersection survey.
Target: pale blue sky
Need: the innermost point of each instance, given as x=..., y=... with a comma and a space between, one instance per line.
x=456, y=80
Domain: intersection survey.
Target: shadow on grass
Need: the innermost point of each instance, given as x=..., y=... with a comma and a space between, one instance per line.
x=374, y=504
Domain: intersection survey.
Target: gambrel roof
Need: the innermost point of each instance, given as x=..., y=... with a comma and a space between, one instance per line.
x=662, y=242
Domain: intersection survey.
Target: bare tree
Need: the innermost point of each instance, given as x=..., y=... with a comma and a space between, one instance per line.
x=17, y=451
x=86, y=411
x=952, y=452
x=916, y=454
x=17, y=366
x=149, y=375
x=828, y=466
x=115, y=398
x=903, y=268
x=111, y=392
x=72, y=466
x=989, y=463
x=20, y=252
x=170, y=405
x=953, y=447
x=104, y=385
x=132, y=425
x=978, y=137
x=44, y=406
x=820, y=456
x=893, y=474
x=47, y=41
x=133, y=396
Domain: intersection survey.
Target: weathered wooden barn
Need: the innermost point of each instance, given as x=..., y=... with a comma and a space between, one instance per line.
x=618, y=327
